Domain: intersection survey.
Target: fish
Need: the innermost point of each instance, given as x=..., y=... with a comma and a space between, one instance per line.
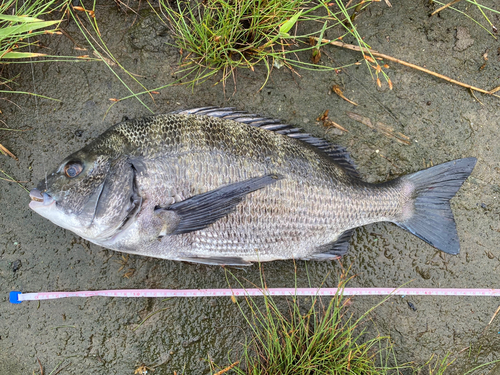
x=223, y=187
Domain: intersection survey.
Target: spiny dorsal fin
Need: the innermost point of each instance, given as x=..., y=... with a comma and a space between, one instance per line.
x=337, y=153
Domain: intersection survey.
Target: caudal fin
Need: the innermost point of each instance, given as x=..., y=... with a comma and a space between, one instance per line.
x=432, y=219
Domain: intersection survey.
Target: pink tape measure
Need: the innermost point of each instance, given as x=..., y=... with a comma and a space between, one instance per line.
x=18, y=297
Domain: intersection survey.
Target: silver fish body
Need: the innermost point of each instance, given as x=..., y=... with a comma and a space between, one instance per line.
x=221, y=187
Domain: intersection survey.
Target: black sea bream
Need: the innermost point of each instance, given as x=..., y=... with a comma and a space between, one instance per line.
x=216, y=186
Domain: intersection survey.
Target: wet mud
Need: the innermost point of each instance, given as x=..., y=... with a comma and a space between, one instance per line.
x=442, y=121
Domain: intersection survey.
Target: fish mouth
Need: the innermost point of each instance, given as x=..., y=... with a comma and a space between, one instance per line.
x=39, y=199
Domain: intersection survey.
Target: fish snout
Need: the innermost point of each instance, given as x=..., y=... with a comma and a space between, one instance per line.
x=38, y=197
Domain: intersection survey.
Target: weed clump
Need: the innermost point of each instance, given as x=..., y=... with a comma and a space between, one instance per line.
x=20, y=24
x=321, y=339
x=220, y=36
x=314, y=342
x=314, y=336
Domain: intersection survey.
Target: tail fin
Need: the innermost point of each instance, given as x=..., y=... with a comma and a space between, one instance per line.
x=431, y=218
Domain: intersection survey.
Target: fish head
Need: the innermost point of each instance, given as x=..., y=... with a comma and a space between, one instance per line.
x=92, y=195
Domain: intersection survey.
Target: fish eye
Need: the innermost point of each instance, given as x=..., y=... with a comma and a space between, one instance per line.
x=73, y=169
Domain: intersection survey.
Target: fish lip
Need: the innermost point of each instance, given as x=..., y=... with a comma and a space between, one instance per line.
x=39, y=199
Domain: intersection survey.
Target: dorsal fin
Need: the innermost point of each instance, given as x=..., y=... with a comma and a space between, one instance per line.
x=337, y=153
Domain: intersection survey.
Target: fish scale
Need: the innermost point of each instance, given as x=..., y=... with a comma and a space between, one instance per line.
x=207, y=137
x=266, y=235
x=217, y=186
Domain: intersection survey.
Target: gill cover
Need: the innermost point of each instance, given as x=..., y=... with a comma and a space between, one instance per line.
x=93, y=196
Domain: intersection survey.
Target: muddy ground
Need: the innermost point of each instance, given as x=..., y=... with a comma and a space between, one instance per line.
x=443, y=122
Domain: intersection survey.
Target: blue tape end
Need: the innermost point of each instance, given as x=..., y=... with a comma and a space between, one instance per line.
x=14, y=297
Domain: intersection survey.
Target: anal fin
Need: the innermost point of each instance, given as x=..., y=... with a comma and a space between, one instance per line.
x=334, y=250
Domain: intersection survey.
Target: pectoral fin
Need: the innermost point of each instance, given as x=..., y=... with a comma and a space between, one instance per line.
x=199, y=211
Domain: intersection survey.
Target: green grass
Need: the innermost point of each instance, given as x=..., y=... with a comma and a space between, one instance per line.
x=318, y=339
x=490, y=28
x=214, y=36
x=221, y=36
x=316, y=336
x=314, y=342
x=90, y=30
x=21, y=24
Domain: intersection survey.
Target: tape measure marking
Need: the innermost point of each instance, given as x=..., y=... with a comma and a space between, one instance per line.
x=18, y=297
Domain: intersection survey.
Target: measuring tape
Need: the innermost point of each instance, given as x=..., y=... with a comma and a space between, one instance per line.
x=18, y=297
